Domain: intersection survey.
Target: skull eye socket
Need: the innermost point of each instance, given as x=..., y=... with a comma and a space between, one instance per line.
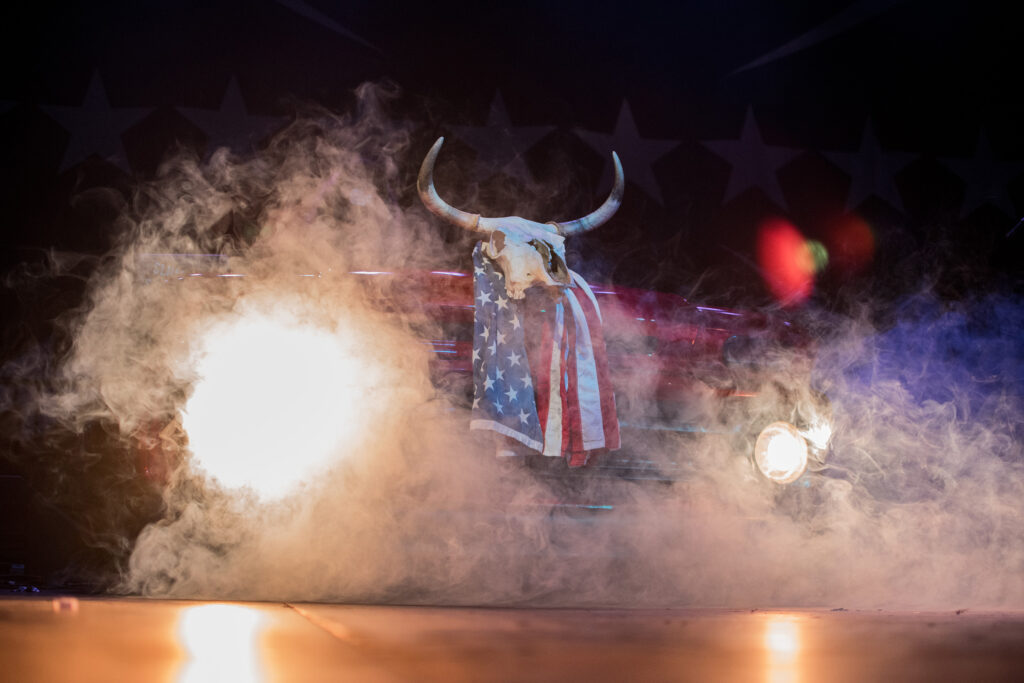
x=553, y=263
x=545, y=254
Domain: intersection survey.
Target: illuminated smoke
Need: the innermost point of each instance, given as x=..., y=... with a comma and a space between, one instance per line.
x=920, y=507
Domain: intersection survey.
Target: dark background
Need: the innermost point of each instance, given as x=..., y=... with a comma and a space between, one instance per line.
x=903, y=114
x=902, y=117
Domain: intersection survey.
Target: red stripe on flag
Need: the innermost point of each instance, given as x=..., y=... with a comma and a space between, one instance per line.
x=572, y=422
x=540, y=357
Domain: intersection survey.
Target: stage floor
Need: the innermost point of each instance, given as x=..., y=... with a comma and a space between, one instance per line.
x=51, y=639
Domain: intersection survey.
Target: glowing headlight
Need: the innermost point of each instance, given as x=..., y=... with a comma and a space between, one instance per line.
x=781, y=453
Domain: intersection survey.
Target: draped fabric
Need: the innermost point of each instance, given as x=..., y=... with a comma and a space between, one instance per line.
x=541, y=376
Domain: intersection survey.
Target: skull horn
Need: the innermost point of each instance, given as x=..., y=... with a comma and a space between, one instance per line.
x=604, y=212
x=433, y=201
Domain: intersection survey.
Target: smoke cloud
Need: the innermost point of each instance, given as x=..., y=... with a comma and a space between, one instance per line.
x=919, y=504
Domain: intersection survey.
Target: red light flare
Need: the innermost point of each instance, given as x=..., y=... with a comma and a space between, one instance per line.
x=787, y=261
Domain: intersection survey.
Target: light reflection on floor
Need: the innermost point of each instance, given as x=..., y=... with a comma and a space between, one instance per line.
x=221, y=642
x=782, y=642
x=164, y=641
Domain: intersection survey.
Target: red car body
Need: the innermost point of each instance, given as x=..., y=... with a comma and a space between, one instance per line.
x=678, y=368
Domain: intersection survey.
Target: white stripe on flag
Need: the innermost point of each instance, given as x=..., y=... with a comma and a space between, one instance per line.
x=582, y=284
x=587, y=385
x=493, y=426
x=553, y=428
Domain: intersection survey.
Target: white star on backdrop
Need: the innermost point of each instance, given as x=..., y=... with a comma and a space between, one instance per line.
x=498, y=144
x=871, y=170
x=986, y=178
x=754, y=164
x=96, y=127
x=637, y=154
x=232, y=126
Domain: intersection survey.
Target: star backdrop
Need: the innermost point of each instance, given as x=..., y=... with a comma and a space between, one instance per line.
x=899, y=118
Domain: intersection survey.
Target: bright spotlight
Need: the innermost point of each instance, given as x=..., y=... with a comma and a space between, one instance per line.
x=276, y=401
x=781, y=453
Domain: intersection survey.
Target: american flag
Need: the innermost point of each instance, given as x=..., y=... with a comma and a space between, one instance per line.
x=565, y=407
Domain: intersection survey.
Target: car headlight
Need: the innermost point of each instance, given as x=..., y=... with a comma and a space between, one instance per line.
x=780, y=452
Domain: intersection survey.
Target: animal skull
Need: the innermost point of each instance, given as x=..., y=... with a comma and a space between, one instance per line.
x=528, y=263
x=528, y=253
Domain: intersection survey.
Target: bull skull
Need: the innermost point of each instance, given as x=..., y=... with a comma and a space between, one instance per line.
x=527, y=252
